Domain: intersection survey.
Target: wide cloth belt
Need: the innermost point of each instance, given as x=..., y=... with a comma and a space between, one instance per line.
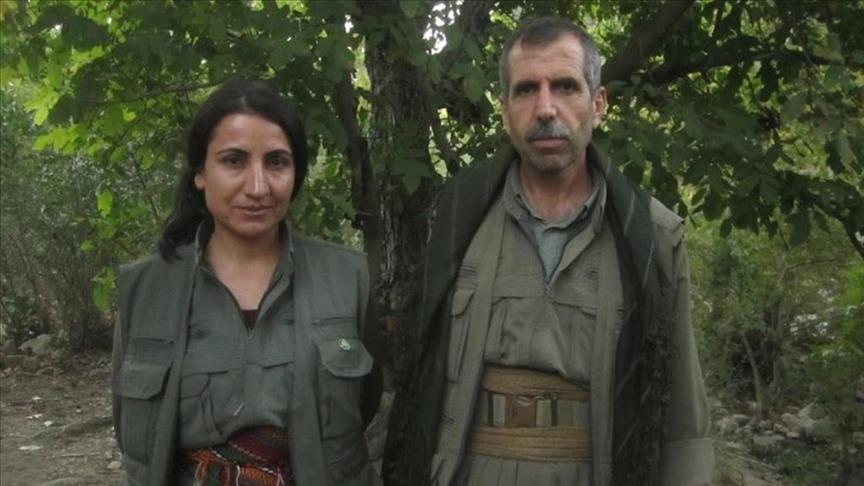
x=531, y=415
x=257, y=456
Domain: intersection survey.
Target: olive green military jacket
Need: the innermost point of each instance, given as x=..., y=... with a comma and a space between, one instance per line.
x=334, y=393
x=687, y=457
x=642, y=445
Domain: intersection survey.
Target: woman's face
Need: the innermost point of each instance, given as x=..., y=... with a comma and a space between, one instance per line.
x=248, y=176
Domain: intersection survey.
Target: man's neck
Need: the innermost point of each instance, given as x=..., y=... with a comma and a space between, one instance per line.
x=557, y=195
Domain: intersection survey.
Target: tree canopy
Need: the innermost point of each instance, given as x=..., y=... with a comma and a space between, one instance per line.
x=745, y=112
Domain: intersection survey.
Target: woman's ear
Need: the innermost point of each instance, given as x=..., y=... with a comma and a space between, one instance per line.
x=199, y=180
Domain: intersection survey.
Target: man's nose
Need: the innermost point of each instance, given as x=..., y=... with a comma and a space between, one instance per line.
x=256, y=180
x=545, y=107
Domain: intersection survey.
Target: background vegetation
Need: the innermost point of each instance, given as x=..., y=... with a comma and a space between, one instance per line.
x=746, y=117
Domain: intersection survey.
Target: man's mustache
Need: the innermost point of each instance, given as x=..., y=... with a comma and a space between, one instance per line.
x=546, y=130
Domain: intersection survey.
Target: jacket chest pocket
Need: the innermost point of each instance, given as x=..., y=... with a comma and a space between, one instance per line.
x=205, y=391
x=459, y=324
x=460, y=313
x=140, y=386
x=344, y=363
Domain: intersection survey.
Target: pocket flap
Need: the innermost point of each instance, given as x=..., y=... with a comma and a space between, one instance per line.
x=461, y=299
x=343, y=354
x=193, y=385
x=142, y=380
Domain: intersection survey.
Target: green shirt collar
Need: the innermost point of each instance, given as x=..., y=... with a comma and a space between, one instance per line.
x=285, y=266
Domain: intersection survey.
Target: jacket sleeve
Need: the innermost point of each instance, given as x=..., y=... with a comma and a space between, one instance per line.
x=687, y=455
x=118, y=352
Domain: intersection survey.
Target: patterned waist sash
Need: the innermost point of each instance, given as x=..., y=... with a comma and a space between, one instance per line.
x=257, y=456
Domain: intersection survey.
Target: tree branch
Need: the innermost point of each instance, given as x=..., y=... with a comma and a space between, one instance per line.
x=364, y=189
x=852, y=233
x=357, y=151
x=722, y=57
x=645, y=42
x=157, y=92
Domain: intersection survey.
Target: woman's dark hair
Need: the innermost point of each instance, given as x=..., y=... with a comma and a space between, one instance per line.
x=235, y=96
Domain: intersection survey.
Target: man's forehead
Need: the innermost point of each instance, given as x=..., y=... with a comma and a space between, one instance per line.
x=562, y=46
x=564, y=53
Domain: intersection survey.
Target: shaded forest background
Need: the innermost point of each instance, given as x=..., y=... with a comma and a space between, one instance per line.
x=745, y=117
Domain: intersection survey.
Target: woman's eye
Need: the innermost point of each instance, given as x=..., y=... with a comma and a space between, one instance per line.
x=232, y=159
x=280, y=162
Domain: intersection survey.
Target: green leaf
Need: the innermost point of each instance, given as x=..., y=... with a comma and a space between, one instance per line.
x=726, y=227
x=296, y=5
x=454, y=37
x=794, y=107
x=770, y=83
x=282, y=54
x=834, y=77
x=104, y=285
x=83, y=33
x=821, y=221
x=834, y=160
x=411, y=172
x=417, y=55
x=112, y=120
x=58, y=138
x=769, y=192
x=53, y=15
x=693, y=126
x=104, y=202
x=411, y=7
x=472, y=49
x=800, y=223
x=474, y=84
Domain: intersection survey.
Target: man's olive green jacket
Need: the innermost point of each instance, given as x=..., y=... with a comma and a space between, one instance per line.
x=641, y=389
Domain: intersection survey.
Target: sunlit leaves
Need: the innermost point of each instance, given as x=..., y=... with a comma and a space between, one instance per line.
x=749, y=112
x=104, y=286
x=104, y=202
x=411, y=7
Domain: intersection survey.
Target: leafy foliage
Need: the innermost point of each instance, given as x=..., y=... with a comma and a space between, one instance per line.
x=839, y=362
x=751, y=291
x=48, y=216
x=744, y=112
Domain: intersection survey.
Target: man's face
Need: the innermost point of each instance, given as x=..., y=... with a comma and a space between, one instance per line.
x=549, y=112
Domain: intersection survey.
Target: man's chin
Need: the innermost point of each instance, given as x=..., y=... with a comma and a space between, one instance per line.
x=549, y=162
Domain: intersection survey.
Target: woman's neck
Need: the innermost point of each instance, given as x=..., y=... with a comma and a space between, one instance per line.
x=244, y=266
x=229, y=250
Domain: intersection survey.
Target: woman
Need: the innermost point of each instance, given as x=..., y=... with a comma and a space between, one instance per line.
x=237, y=354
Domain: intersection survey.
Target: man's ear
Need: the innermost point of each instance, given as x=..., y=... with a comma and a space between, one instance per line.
x=505, y=115
x=600, y=105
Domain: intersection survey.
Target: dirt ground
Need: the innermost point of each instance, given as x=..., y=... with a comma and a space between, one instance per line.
x=55, y=430
x=55, y=425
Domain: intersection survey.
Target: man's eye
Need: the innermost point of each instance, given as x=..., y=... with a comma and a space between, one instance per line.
x=567, y=86
x=523, y=89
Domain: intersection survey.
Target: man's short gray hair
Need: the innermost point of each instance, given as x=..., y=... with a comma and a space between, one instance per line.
x=545, y=30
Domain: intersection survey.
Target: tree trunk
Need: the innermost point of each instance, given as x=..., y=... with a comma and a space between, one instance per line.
x=757, y=379
x=399, y=135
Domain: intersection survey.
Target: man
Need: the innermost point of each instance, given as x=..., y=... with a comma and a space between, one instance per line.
x=554, y=342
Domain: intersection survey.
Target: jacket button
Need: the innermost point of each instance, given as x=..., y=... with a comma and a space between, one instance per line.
x=344, y=345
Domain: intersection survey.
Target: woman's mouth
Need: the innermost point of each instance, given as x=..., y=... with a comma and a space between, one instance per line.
x=254, y=210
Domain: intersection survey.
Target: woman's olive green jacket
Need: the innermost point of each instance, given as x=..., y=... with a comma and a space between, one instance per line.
x=334, y=393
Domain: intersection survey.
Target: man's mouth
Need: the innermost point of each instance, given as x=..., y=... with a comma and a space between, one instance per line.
x=547, y=142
